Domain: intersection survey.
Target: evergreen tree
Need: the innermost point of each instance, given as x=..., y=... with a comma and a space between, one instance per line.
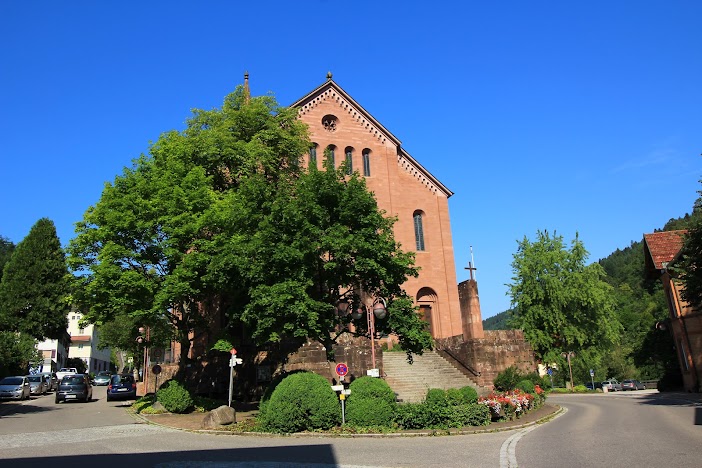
x=6, y=249
x=34, y=290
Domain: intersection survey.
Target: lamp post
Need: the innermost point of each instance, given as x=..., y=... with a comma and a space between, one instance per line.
x=143, y=338
x=378, y=310
x=569, y=355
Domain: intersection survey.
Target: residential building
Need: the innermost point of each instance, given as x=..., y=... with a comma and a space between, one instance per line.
x=84, y=344
x=685, y=320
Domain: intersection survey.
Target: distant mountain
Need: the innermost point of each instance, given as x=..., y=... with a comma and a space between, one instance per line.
x=497, y=322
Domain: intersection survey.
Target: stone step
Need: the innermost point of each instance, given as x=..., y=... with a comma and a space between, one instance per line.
x=410, y=382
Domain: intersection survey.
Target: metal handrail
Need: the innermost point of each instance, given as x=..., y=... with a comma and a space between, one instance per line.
x=468, y=368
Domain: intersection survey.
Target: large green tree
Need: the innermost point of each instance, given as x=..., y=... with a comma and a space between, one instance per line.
x=35, y=286
x=312, y=244
x=561, y=303
x=6, y=249
x=221, y=218
x=688, y=265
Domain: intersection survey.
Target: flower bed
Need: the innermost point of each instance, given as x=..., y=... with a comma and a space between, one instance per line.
x=512, y=404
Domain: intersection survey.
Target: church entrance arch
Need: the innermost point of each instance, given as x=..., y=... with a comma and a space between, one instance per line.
x=428, y=303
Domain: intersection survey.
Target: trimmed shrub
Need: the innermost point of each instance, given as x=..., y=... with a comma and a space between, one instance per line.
x=301, y=401
x=413, y=416
x=174, y=397
x=271, y=387
x=470, y=395
x=507, y=379
x=436, y=397
x=471, y=414
x=526, y=386
x=371, y=403
x=454, y=397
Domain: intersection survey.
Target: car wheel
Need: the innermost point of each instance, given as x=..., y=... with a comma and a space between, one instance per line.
x=57, y=401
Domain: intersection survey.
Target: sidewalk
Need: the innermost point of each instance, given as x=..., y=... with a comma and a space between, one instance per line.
x=193, y=422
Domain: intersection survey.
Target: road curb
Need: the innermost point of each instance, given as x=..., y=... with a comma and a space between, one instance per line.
x=426, y=433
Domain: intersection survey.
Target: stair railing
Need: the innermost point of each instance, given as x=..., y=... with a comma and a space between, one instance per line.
x=463, y=364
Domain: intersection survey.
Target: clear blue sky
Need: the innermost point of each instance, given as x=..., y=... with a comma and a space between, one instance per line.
x=561, y=116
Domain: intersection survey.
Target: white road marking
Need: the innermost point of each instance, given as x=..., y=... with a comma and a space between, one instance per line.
x=508, y=451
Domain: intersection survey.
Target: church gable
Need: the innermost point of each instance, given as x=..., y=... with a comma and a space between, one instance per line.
x=323, y=106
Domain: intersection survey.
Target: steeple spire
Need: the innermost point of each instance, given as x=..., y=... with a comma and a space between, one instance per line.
x=247, y=91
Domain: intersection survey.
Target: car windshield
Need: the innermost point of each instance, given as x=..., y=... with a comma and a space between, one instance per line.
x=117, y=379
x=11, y=381
x=103, y=374
x=72, y=380
x=34, y=378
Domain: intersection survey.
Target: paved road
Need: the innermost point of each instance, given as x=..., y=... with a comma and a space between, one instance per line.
x=643, y=428
x=40, y=433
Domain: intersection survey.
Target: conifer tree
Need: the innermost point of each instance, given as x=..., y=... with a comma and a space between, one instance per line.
x=35, y=285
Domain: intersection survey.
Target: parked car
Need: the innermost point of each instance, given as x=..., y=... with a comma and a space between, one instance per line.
x=51, y=380
x=589, y=385
x=14, y=388
x=121, y=387
x=631, y=384
x=64, y=371
x=74, y=387
x=37, y=384
x=612, y=385
x=102, y=378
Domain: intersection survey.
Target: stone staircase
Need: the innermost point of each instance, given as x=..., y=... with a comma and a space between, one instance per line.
x=410, y=382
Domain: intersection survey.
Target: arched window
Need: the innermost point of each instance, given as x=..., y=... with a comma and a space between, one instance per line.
x=313, y=155
x=419, y=230
x=330, y=155
x=366, y=162
x=349, y=160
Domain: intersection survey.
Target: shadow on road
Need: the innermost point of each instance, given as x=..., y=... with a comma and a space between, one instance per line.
x=16, y=409
x=676, y=399
x=289, y=456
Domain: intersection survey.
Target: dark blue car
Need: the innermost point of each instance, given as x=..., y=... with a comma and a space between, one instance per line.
x=121, y=387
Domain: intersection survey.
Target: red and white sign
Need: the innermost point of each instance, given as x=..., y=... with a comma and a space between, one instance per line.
x=233, y=351
x=342, y=369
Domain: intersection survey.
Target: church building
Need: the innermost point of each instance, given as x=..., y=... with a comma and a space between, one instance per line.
x=343, y=129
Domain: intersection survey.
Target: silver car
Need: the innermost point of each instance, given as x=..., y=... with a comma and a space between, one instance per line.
x=37, y=384
x=14, y=388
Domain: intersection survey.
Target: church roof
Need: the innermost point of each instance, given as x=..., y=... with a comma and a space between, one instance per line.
x=408, y=159
x=661, y=248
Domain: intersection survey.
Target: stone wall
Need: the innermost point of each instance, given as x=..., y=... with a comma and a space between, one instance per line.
x=354, y=352
x=497, y=351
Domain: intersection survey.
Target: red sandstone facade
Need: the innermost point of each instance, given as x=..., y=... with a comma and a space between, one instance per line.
x=402, y=187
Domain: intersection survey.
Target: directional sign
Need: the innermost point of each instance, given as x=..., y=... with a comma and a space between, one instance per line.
x=592, y=373
x=342, y=369
x=550, y=371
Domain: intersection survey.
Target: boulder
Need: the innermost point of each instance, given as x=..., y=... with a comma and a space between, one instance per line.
x=222, y=416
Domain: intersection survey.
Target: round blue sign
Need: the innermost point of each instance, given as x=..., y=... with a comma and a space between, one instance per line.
x=342, y=369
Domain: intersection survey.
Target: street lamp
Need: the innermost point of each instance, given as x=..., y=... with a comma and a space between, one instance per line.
x=378, y=310
x=568, y=355
x=143, y=338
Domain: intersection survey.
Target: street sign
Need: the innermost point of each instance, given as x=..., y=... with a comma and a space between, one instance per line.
x=337, y=388
x=235, y=360
x=550, y=371
x=156, y=369
x=342, y=369
x=592, y=373
x=232, y=351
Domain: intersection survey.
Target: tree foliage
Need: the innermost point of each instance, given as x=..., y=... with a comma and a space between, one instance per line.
x=18, y=352
x=221, y=218
x=35, y=286
x=688, y=265
x=561, y=303
x=6, y=249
